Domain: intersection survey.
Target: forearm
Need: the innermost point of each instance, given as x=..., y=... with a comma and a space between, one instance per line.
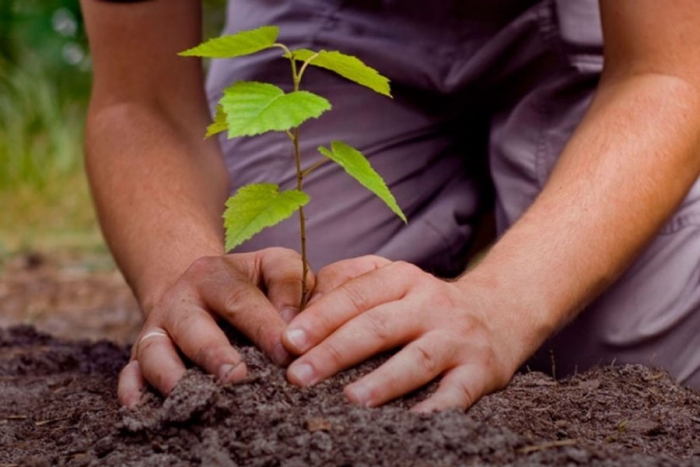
x=159, y=193
x=623, y=173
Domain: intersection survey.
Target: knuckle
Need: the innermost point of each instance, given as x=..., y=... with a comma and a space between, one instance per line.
x=180, y=325
x=374, y=261
x=379, y=325
x=144, y=347
x=165, y=381
x=427, y=359
x=238, y=294
x=408, y=270
x=466, y=392
x=260, y=334
x=334, y=355
x=356, y=297
x=279, y=252
x=469, y=325
x=201, y=266
x=210, y=357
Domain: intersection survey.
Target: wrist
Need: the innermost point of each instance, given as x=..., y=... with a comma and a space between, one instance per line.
x=155, y=280
x=521, y=317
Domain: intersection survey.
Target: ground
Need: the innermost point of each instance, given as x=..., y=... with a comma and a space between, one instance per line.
x=58, y=378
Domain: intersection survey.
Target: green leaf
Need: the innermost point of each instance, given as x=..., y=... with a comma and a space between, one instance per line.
x=236, y=45
x=348, y=67
x=219, y=124
x=257, y=206
x=358, y=167
x=253, y=108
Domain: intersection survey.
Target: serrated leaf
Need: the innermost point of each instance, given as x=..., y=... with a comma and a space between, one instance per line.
x=253, y=108
x=358, y=167
x=219, y=124
x=348, y=67
x=235, y=45
x=257, y=206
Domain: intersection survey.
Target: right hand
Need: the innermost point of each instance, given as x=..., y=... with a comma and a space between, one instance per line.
x=258, y=293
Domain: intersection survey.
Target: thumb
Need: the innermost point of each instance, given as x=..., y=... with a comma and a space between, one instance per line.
x=282, y=271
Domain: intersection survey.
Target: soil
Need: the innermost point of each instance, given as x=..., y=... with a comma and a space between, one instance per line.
x=59, y=405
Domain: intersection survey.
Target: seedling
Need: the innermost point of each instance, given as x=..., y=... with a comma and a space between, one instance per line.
x=250, y=108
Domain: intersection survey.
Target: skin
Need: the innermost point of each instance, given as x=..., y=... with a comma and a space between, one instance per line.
x=625, y=170
x=159, y=190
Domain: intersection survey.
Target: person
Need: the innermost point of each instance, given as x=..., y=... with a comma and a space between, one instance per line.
x=592, y=153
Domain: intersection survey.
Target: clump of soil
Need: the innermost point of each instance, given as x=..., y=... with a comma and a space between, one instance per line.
x=59, y=408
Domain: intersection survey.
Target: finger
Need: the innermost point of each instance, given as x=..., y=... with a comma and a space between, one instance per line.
x=159, y=362
x=336, y=274
x=282, y=271
x=201, y=339
x=461, y=388
x=325, y=315
x=131, y=385
x=247, y=308
x=378, y=330
x=416, y=365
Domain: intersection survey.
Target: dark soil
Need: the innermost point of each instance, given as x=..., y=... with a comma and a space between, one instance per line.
x=59, y=408
x=58, y=400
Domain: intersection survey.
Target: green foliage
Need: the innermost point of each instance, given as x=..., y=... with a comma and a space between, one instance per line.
x=44, y=89
x=236, y=45
x=255, y=207
x=346, y=66
x=358, y=167
x=253, y=108
x=40, y=130
x=219, y=124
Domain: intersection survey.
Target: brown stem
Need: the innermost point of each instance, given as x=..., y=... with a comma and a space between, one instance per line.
x=300, y=181
x=302, y=224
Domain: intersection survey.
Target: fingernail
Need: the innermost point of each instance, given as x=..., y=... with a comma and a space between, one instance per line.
x=281, y=355
x=297, y=337
x=360, y=394
x=303, y=373
x=230, y=372
x=288, y=314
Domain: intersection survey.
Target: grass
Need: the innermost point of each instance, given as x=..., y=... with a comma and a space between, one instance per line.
x=45, y=203
x=44, y=199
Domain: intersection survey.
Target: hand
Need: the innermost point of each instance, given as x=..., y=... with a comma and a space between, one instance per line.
x=231, y=287
x=369, y=305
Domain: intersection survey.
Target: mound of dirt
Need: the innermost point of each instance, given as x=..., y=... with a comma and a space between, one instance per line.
x=59, y=408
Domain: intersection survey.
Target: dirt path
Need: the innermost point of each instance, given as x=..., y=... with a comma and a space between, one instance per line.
x=58, y=404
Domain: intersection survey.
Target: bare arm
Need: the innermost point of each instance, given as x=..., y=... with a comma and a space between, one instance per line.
x=158, y=185
x=624, y=172
x=159, y=189
x=626, y=169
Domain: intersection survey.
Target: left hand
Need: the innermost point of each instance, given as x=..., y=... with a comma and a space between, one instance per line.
x=368, y=305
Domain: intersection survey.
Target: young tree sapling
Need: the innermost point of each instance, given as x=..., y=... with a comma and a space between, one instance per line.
x=250, y=108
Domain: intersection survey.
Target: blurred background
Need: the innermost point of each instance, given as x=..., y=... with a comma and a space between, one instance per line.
x=49, y=238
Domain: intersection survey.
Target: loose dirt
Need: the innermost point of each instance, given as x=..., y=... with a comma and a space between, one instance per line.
x=59, y=408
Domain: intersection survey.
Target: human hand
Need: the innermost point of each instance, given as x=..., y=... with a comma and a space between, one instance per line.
x=369, y=305
x=231, y=287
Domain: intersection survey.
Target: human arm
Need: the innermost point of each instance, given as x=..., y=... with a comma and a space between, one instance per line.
x=159, y=189
x=623, y=173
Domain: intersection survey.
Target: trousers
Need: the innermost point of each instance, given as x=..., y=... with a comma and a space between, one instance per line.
x=485, y=97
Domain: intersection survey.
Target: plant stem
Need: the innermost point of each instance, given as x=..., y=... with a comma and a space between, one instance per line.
x=302, y=225
x=313, y=167
x=300, y=182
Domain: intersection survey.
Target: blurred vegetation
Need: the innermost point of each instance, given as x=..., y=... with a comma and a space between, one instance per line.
x=44, y=89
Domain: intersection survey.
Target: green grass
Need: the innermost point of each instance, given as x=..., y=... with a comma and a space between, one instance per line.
x=45, y=204
x=44, y=200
